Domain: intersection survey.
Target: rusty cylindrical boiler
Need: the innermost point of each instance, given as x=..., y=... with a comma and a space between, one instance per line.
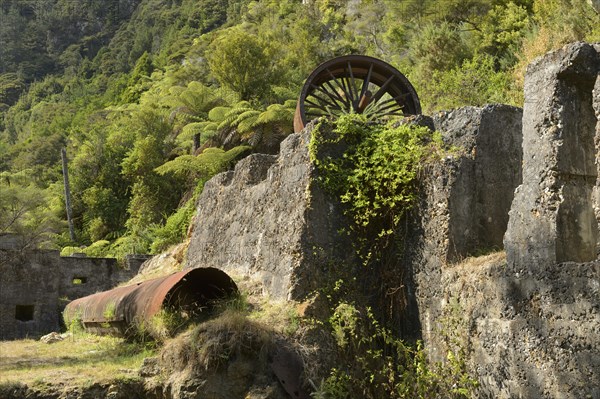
x=120, y=310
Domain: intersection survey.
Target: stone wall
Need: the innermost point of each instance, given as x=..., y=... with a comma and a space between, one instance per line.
x=528, y=319
x=36, y=285
x=268, y=219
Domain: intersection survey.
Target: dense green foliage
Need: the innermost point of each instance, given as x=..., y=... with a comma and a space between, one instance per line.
x=375, y=177
x=377, y=364
x=138, y=90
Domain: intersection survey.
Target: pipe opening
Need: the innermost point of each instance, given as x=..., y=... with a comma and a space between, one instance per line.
x=198, y=291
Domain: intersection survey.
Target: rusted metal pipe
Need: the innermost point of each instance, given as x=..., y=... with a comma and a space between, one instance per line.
x=123, y=309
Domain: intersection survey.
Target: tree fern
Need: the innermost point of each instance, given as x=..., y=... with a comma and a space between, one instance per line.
x=230, y=118
x=245, y=121
x=211, y=161
x=217, y=114
x=206, y=130
x=277, y=114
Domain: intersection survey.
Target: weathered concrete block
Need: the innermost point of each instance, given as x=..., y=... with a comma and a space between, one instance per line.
x=552, y=218
x=270, y=220
x=488, y=171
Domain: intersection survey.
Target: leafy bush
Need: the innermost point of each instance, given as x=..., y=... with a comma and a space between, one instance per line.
x=475, y=82
x=240, y=60
x=99, y=249
x=375, y=178
x=174, y=230
x=379, y=365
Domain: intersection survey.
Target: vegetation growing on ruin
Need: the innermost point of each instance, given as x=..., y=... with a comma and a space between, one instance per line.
x=376, y=176
x=129, y=91
x=375, y=363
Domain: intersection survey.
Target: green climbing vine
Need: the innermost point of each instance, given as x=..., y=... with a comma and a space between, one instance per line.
x=377, y=364
x=372, y=168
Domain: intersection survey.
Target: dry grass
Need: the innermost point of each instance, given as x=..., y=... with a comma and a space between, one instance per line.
x=479, y=261
x=76, y=361
x=212, y=344
x=244, y=326
x=161, y=265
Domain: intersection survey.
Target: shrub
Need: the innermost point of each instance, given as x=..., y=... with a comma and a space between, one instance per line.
x=376, y=364
x=375, y=178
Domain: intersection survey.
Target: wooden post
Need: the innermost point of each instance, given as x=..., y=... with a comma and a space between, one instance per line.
x=196, y=143
x=63, y=154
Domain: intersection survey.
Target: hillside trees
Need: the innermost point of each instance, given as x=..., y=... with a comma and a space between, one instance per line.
x=100, y=191
x=142, y=92
x=27, y=210
x=240, y=61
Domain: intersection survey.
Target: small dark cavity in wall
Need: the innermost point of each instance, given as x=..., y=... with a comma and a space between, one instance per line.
x=24, y=312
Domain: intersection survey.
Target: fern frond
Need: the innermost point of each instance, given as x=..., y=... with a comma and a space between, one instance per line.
x=182, y=166
x=231, y=117
x=246, y=121
x=217, y=114
x=276, y=114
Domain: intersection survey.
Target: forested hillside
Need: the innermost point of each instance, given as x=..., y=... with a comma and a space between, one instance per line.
x=151, y=98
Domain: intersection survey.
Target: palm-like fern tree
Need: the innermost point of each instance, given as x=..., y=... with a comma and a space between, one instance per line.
x=242, y=123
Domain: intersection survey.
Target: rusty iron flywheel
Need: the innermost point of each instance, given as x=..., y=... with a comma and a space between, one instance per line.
x=355, y=84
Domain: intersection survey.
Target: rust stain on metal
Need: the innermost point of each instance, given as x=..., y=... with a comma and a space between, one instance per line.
x=117, y=310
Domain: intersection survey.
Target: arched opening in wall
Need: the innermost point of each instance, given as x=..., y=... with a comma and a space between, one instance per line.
x=24, y=312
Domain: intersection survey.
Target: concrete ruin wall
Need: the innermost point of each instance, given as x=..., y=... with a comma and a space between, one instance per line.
x=36, y=285
x=528, y=318
x=268, y=219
